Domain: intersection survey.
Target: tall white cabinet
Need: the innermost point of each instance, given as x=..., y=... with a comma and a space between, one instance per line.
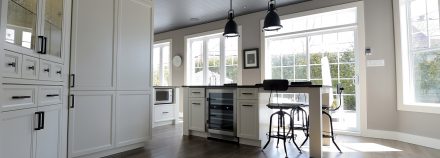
x=34, y=42
x=110, y=94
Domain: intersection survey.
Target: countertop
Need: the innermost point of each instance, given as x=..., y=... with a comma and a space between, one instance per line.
x=247, y=86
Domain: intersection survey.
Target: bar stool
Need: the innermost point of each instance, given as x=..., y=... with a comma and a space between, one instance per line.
x=280, y=85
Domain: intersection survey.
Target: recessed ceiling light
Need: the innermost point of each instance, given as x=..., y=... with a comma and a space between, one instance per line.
x=194, y=19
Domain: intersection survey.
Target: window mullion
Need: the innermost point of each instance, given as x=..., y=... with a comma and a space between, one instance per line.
x=308, y=58
x=222, y=68
x=161, y=76
x=205, y=61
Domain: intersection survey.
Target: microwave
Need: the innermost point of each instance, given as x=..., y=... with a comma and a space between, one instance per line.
x=163, y=95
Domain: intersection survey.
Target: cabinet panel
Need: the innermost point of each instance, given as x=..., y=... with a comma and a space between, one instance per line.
x=49, y=95
x=197, y=114
x=12, y=64
x=18, y=97
x=57, y=73
x=90, y=122
x=17, y=135
x=196, y=92
x=248, y=93
x=163, y=112
x=30, y=67
x=92, y=58
x=134, y=46
x=132, y=117
x=247, y=119
x=46, y=69
x=48, y=138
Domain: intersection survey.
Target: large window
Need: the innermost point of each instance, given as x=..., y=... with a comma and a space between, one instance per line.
x=212, y=60
x=161, y=64
x=297, y=51
x=418, y=52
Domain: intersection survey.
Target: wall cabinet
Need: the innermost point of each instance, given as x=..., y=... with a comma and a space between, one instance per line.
x=247, y=119
x=33, y=132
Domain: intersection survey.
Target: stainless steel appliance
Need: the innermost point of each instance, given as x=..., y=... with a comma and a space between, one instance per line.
x=163, y=95
x=221, y=114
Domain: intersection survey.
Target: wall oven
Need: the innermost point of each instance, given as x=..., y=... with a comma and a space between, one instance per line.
x=221, y=114
x=163, y=95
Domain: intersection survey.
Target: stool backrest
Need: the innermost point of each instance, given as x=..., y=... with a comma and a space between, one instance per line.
x=276, y=85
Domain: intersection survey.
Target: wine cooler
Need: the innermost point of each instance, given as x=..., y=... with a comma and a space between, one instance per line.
x=221, y=112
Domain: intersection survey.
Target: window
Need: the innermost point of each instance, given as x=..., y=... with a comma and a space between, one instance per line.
x=296, y=52
x=212, y=59
x=418, y=53
x=162, y=64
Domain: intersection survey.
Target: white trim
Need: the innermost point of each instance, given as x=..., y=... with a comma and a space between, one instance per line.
x=402, y=64
x=403, y=137
x=205, y=35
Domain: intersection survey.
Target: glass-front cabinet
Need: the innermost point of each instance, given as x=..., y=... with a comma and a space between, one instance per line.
x=34, y=28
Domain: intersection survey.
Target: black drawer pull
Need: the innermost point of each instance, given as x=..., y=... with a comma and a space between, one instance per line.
x=58, y=72
x=165, y=112
x=52, y=95
x=247, y=93
x=247, y=105
x=12, y=64
x=31, y=67
x=196, y=92
x=21, y=97
x=196, y=103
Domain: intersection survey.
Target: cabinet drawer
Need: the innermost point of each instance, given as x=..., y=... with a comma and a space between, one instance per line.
x=18, y=97
x=12, y=64
x=49, y=95
x=248, y=93
x=45, y=70
x=30, y=67
x=163, y=113
x=196, y=92
x=57, y=73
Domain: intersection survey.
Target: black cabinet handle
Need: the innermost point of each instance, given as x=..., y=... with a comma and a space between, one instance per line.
x=247, y=93
x=42, y=120
x=196, y=103
x=73, y=101
x=165, y=112
x=44, y=45
x=196, y=92
x=31, y=67
x=20, y=97
x=58, y=72
x=72, y=77
x=12, y=64
x=247, y=105
x=40, y=45
x=52, y=95
x=46, y=70
x=38, y=115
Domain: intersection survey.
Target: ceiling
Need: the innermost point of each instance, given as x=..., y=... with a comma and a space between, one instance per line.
x=175, y=14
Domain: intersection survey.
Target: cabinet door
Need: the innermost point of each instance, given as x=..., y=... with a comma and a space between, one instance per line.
x=48, y=138
x=17, y=135
x=197, y=114
x=91, y=122
x=247, y=119
x=132, y=117
x=53, y=27
x=135, y=34
x=21, y=26
x=92, y=45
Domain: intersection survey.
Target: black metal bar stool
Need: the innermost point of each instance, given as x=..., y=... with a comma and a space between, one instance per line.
x=280, y=85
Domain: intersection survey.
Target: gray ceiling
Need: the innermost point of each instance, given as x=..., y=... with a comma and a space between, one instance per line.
x=175, y=14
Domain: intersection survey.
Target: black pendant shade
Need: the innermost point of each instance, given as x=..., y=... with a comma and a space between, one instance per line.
x=231, y=28
x=272, y=21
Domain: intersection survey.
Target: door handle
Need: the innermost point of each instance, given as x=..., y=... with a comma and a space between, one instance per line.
x=38, y=117
x=40, y=45
x=72, y=101
x=72, y=77
x=42, y=120
x=44, y=51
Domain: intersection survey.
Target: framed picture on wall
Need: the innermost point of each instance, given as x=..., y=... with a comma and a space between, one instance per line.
x=250, y=58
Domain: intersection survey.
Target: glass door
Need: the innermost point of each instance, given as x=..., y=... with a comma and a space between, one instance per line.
x=53, y=24
x=21, y=26
x=221, y=111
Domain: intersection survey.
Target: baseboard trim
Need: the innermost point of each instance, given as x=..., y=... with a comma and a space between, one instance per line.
x=404, y=137
x=113, y=151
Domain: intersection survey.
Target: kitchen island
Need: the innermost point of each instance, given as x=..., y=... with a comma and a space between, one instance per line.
x=251, y=116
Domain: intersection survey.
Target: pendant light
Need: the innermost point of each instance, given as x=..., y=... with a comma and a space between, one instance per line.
x=272, y=21
x=231, y=29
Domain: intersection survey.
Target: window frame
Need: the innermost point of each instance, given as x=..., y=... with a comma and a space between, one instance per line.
x=160, y=44
x=187, y=56
x=403, y=78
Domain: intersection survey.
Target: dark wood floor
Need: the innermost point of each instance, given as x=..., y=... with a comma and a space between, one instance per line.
x=168, y=142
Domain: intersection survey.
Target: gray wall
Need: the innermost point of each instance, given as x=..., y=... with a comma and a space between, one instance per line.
x=382, y=111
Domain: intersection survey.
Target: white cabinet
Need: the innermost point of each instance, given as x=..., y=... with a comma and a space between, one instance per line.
x=30, y=67
x=163, y=112
x=134, y=46
x=91, y=122
x=247, y=119
x=92, y=50
x=16, y=97
x=197, y=114
x=132, y=113
x=31, y=133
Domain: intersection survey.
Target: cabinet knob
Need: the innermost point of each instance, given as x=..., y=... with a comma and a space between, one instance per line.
x=46, y=70
x=12, y=64
x=31, y=68
x=59, y=72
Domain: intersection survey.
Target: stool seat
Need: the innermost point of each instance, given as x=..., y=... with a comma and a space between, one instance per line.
x=284, y=105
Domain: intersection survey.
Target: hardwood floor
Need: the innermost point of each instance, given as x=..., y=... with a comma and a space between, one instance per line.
x=168, y=142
